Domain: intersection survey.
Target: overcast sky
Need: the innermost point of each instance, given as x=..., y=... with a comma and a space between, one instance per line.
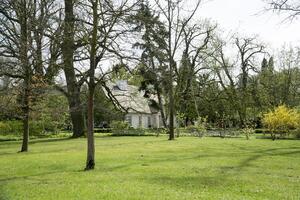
x=246, y=17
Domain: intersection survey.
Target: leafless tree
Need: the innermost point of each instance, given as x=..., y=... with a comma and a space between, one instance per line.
x=68, y=48
x=103, y=26
x=173, y=16
x=289, y=7
x=23, y=26
x=197, y=38
x=288, y=60
x=234, y=75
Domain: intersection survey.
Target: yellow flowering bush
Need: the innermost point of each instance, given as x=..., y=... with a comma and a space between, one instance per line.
x=281, y=120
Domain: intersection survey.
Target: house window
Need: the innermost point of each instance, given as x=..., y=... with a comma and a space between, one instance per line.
x=129, y=120
x=115, y=87
x=140, y=121
x=149, y=122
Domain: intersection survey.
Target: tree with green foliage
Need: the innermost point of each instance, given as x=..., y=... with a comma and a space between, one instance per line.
x=105, y=111
x=51, y=112
x=266, y=84
x=152, y=67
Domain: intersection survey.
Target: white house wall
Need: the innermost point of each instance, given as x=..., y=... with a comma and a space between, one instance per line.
x=135, y=120
x=156, y=120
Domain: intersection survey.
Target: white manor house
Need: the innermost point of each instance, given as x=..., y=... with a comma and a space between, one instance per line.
x=139, y=111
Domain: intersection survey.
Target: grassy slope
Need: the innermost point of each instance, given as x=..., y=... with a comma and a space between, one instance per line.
x=152, y=168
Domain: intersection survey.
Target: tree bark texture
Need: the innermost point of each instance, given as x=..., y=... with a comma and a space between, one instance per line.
x=76, y=110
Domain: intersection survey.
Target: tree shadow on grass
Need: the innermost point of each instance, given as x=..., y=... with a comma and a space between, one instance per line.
x=199, y=180
x=36, y=175
x=271, y=138
x=38, y=140
x=190, y=182
x=133, y=142
x=254, y=155
x=251, y=156
x=268, y=152
x=222, y=177
x=48, y=140
x=9, y=140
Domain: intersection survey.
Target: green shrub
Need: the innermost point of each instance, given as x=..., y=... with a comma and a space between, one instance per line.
x=14, y=127
x=4, y=128
x=195, y=131
x=135, y=132
x=248, y=132
x=180, y=119
x=157, y=131
x=200, y=126
x=49, y=114
x=122, y=128
x=281, y=121
x=132, y=132
x=36, y=128
x=234, y=133
x=119, y=127
x=198, y=130
x=116, y=125
x=296, y=133
x=260, y=130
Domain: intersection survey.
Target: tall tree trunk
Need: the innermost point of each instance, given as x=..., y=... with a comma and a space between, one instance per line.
x=37, y=24
x=25, y=141
x=27, y=74
x=90, y=161
x=68, y=46
x=244, y=103
x=242, y=118
x=161, y=108
x=171, y=105
x=171, y=67
x=195, y=101
x=76, y=113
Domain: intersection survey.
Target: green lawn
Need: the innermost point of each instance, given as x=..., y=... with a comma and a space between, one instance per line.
x=152, y=168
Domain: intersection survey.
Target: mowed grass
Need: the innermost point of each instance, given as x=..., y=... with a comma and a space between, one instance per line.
x=152, y=168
